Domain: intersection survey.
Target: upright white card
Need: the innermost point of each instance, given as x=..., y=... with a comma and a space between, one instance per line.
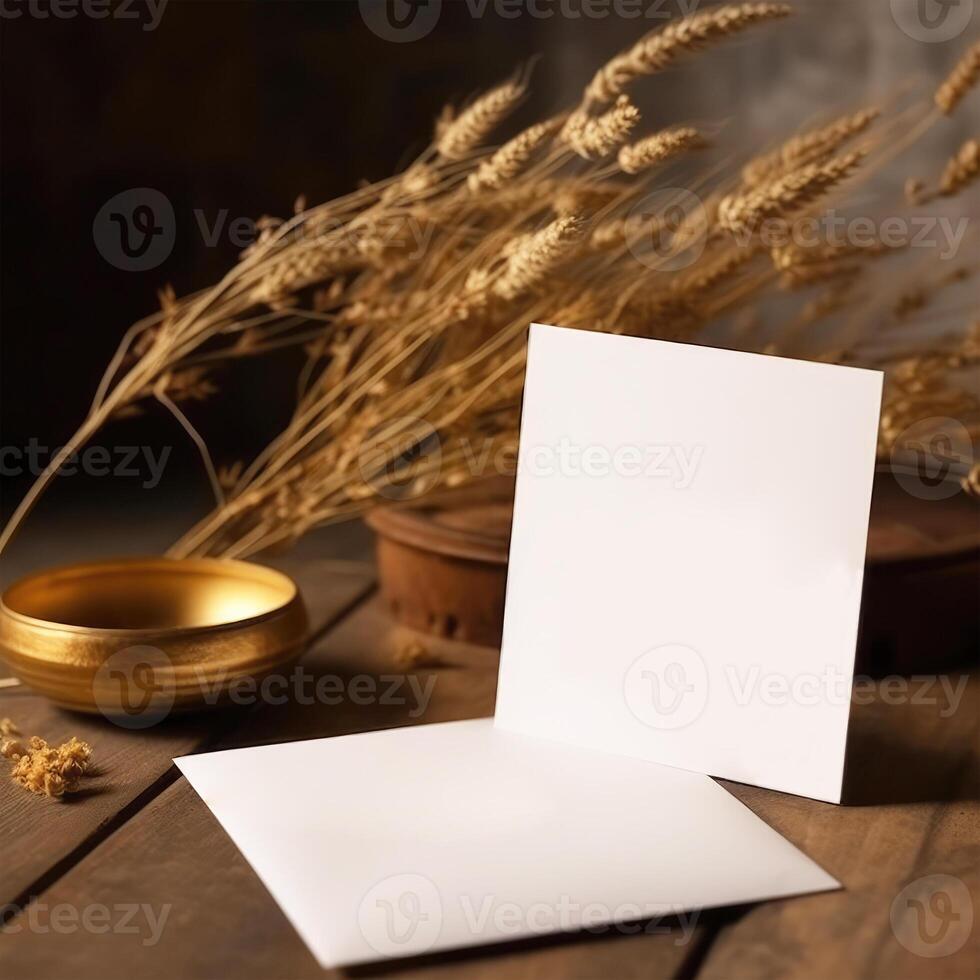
x=415, y=840
x=687, y=556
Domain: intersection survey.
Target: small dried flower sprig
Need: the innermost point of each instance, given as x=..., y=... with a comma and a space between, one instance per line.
x=415, y=656
x=11, y=746
x=46, y=770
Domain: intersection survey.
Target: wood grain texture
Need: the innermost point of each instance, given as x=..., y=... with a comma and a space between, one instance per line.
x=223, y=921
x=39, y=837
x=911, y=787
x=912, y=782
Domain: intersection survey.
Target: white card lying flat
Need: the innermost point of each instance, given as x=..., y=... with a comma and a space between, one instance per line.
x=687, y=556
x=414, y=840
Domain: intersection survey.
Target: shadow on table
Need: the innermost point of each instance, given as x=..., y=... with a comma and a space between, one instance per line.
x=691, y=935
x=916, y=748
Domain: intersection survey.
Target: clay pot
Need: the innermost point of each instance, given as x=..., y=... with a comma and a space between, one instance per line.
x=443, y=569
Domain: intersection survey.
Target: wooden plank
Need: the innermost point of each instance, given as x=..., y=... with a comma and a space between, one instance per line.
x=174, y=863
x=40, y=838
x=912, y=783
x=173, y=855
x=905, y=760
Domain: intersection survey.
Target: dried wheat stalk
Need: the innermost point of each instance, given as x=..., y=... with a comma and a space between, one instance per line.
x=649, y=152
x=808, y=148
x=786, y=195
x=501, y=168
x=470, y=129
x=593, y=137
x=538, y=257
x=963, y=77
x=660, y=48
x=962, y=170
x=959, y=173
x=411, y=347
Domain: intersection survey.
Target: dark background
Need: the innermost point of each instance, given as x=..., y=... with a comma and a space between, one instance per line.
x=244, y=105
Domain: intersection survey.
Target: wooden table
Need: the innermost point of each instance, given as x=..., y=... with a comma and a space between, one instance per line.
x=134, y=878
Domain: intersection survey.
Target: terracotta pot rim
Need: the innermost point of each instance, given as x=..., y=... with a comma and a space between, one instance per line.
x=416, y=530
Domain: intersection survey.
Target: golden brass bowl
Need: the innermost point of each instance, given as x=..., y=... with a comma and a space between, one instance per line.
x=137, y=639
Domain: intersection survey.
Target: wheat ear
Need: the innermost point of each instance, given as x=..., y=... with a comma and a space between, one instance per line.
x=783, y=197
x=512, y=157
x=962, y=78
x=661, y=47
x=963, y=169
x=637, y=157
x=809, y=147
x=593, y=137
x=538, y=255
x=462, y=135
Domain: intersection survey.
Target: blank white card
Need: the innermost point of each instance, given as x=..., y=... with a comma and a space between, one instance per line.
x=684, y=587
x=416, y=840
x=687, y=556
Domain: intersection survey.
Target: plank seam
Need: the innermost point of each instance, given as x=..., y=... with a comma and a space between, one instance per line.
x=166, y=779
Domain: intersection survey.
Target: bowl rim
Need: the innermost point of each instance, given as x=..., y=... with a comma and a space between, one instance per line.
x=212, y=565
